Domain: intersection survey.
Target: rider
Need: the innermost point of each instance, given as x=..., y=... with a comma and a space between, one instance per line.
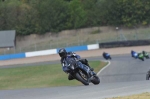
x=63, y=54
x=105, y=55
x=144, y=53
x=133, y=53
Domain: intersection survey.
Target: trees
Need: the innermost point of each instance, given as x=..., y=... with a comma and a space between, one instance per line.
x=76, y=15
x=126, y=12
x=41, y=16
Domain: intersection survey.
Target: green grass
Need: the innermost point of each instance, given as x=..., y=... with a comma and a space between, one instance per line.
x=39, y=76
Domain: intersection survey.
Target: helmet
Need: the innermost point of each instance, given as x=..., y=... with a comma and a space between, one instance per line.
x=62, y=52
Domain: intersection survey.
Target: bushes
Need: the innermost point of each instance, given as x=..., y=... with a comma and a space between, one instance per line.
x=41, y=16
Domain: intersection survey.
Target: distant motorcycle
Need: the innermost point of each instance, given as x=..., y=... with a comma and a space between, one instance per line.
x=134, y=54
x=141, y=56
x=146, y=55
x=107, y=56
x=148, y=75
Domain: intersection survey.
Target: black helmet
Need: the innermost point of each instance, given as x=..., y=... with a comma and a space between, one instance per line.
x=62, y=52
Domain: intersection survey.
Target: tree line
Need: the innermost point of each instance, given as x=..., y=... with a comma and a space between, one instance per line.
x=41, y=16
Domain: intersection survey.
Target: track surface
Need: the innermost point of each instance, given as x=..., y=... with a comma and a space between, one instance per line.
x=124, y=76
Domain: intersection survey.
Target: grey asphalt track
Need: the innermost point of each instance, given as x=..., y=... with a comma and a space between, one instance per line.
x=124, y=76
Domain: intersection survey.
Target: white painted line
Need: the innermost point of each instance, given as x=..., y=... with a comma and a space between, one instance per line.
x=104, y=67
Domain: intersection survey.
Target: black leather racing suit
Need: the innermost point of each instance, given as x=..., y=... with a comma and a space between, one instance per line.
x=65, y=63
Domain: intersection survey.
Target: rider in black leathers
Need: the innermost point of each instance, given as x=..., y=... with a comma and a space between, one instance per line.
x=106, y=55
x=64, y=54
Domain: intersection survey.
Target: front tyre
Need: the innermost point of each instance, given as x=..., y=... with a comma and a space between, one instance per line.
x=79, y=78
x=95, y=80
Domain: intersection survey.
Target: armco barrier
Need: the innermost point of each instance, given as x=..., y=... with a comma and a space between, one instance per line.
x=81, y=48
x=40, y=53
x=124, y=43
x=49, y=52
x=75, y=48
x=12, y=56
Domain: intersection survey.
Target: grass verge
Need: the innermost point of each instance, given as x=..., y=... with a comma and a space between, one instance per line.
x=39, y=76
x=138, y=96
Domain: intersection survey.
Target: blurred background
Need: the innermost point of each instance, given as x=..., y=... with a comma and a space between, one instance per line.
x=85, y=36
x=48, y=24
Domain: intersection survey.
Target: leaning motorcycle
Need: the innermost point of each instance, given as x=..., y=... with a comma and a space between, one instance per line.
x=148, y=75
x=108, y=56
x=83, y=73
x=141, y=56
x=146, y=55
x=134, y=55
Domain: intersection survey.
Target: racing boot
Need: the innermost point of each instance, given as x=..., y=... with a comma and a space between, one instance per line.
x=90, y=67
x=70, y=77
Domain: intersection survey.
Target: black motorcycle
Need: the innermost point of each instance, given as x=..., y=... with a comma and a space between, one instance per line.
x=107, y=56
x=148, y=75
x=82, y=73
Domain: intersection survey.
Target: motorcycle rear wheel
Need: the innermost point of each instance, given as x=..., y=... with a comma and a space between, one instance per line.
x=81, y=79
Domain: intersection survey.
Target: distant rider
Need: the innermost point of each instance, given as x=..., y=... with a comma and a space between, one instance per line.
x=145, y=53
x=133, y=53
x=64, y=55
x=105, y=55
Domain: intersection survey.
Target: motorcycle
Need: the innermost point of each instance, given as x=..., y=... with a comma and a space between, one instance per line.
x=83, y=73
x=107, y=56
x=148, y=75
x=134, y=55
x=146, y=55
x=141, y=56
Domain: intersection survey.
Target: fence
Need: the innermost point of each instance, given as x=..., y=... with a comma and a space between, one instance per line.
x=77, y=37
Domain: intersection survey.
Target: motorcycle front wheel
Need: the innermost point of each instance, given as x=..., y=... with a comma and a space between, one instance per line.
x=95, y=80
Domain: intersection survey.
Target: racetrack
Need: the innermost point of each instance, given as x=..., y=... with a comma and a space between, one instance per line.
x=124, y=76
